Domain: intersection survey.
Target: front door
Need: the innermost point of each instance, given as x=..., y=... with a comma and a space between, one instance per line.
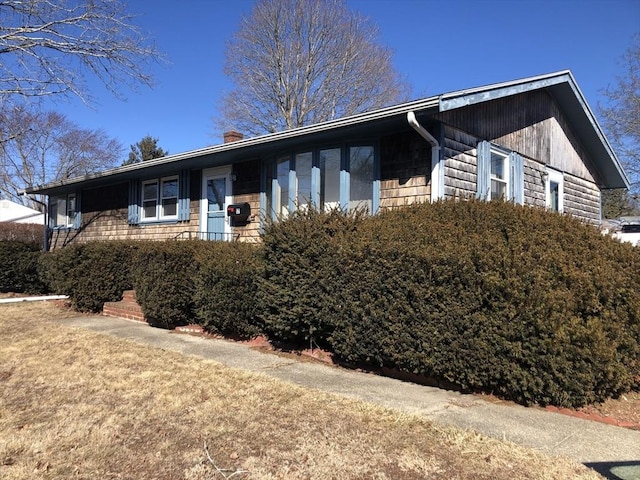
x=216, y=193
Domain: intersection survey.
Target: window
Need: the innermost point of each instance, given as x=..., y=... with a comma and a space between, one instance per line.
x=304, y=169
x=164, y=199
x=329, y=179
x=554, y=190
x=64, y=211
x=361, y=170
x=500, y=174
x=160, y=199
x=337, y=177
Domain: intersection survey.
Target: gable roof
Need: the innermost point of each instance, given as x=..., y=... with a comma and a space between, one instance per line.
x=561, y=85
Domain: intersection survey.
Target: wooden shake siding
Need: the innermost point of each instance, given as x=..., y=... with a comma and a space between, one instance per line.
x=460, y=164
x=534, y=190
x=581, y=199
x=405, y=170
x=105, y=217
x=246, y=188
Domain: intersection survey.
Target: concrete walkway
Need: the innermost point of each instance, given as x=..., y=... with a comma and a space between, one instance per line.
x=612, y=451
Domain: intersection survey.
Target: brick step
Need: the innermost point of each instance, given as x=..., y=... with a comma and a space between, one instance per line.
x=129, y=295
x=126, y=308
x=114, y=311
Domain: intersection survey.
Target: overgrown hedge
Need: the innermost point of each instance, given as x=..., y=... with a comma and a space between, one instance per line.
x=29, y=233
x=163, y=277
x=90, y=273
x=19, y=271
x=529, y=305
x=492, y=297
x=225, y=288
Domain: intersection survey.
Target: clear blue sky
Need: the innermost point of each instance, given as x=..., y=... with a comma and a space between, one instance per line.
x=439, y=46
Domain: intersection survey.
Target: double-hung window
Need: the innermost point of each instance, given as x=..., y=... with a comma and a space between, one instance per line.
x=500, y=174
x=64, y=211
x=165, y=199
x=160, y=199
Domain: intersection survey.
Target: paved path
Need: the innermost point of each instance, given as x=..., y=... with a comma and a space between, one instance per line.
x=613, y=451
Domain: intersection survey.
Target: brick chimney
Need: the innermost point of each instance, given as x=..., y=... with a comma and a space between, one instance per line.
x=232, y=136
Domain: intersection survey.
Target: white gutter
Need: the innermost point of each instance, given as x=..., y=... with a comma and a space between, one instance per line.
x=437, y=172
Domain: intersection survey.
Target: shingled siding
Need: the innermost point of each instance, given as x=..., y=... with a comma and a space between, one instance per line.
x=405, y=170
x=105, y=217
x=582, y=199
x=530, y=124
x=246, y=188
x=534, y=192
x=460, y=164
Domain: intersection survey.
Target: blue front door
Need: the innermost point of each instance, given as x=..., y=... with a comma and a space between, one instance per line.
x=217, y=190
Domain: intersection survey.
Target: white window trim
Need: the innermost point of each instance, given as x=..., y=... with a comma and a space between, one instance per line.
x=557, y=177
x=68, y=223
x=506, y=168
x=217, y=172
x=158, y=213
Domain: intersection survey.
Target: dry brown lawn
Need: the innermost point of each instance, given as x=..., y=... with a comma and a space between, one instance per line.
x=80, y=405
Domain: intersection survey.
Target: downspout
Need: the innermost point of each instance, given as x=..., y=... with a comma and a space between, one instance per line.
x=437, y=179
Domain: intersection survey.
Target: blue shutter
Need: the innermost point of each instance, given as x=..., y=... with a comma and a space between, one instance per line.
x=134, y=199
x=184, y=197
x=77, y=221
x=483, y=191
x=517, y=178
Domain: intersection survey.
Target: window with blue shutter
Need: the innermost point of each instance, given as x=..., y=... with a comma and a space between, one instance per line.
x=500, y=174
x=165, y=199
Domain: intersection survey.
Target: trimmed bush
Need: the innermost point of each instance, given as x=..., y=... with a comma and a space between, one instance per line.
x=30, y=233
x=90, y=273
x=299, y=291
x=529, y=305
x=19, y=272
x=226, y=287
x=163, y=278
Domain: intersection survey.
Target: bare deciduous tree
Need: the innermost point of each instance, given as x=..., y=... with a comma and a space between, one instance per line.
x=46, y=47
x=46, y=147
x=622, y=114
x=298, y=62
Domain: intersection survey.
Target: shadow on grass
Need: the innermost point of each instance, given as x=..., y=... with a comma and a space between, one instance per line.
x=629, y=470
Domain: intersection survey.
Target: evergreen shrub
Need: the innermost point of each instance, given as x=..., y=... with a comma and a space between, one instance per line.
x=90, y=273
x=226, y=286
x=299, y=291
x=29, y=233
x=529, y=305
x=19, y=272
x=163, y=278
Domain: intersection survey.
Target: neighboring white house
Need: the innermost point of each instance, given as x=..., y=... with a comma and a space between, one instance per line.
x=14, y=212
x=625, y=229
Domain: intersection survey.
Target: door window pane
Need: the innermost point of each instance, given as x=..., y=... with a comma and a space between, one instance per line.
x=329, y=179
x=554, y=196
x=361, y=174
x=303, y=176
x=216, y=193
